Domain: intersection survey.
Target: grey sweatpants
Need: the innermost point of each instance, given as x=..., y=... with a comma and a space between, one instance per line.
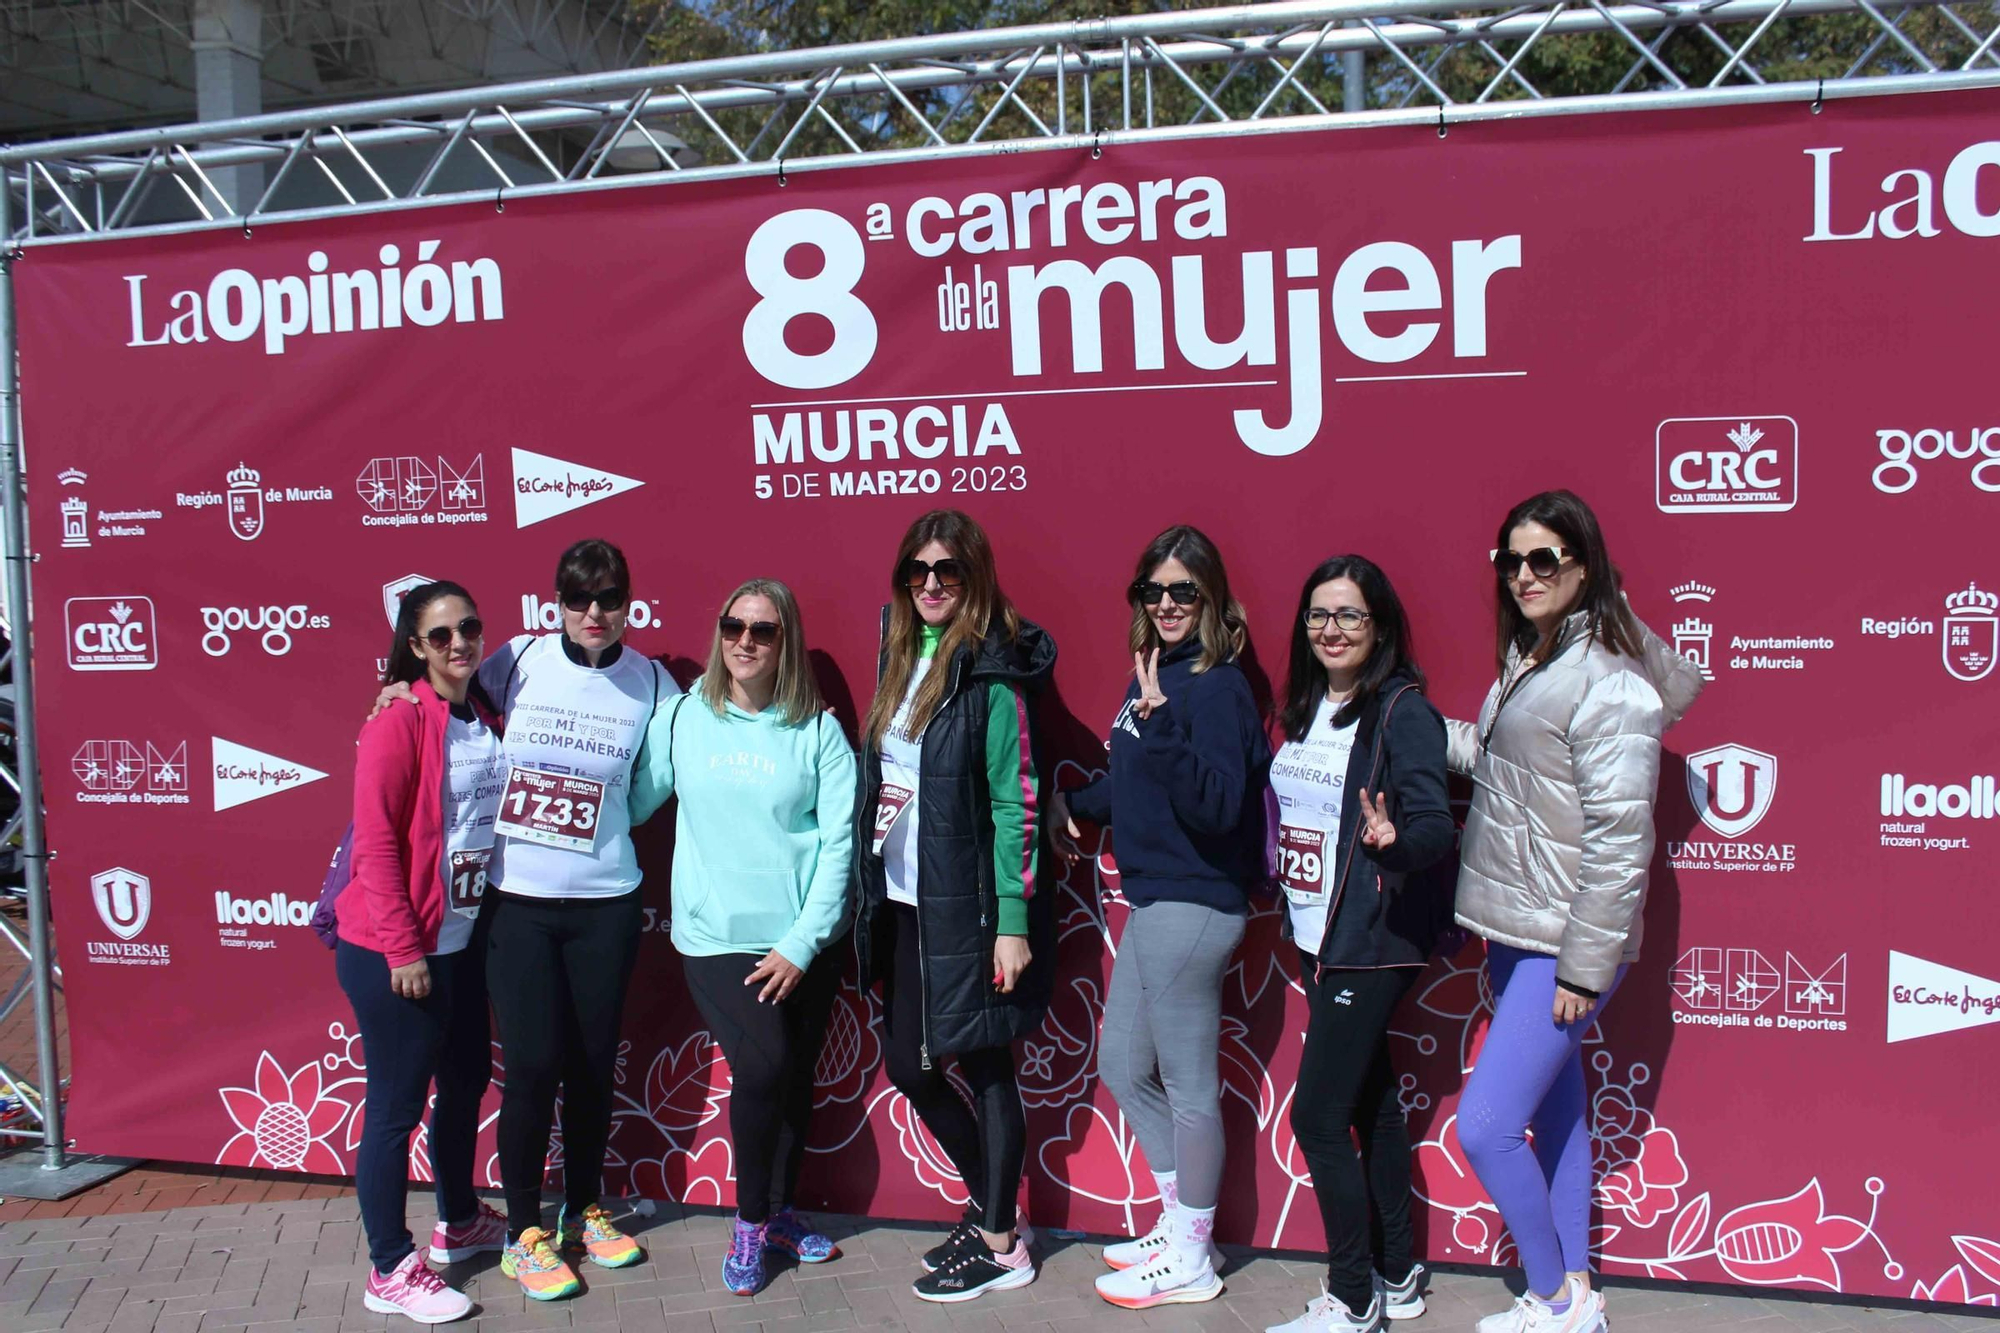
x=1162, y=1026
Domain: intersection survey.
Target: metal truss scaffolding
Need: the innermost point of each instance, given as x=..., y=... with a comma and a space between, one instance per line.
x=1243, y=69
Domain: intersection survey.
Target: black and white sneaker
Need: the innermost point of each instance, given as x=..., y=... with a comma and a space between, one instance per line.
x=964, y=1234
x=1405, y=1299
x=975, y=1270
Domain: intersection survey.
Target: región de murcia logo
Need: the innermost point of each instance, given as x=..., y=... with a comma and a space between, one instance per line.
x=1969, y=635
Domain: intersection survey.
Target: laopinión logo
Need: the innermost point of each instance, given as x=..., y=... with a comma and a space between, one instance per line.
x=1735, y=464
x=1969, y=634
x=1732, y=788
x=545, y=487
x=276, y=625
x=124, y=902
x=1909, y=811
x=1733, y=988
x=124, y=772
x=245, y=499
x=111, y=633
x=1902, y=450
x=407, y=490
x=1694, y=635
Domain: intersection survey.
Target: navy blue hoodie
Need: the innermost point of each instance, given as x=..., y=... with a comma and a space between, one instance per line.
x=1185, y=795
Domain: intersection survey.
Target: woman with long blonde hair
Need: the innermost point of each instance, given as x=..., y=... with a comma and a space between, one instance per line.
x=950, y=822
x=763, y=841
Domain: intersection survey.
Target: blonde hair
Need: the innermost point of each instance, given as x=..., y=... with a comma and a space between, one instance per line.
x=797, y=696
x=980, y=604
x=1222, y=625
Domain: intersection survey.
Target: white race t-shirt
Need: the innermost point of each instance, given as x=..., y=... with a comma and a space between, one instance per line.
x=896, y=805
x=563, y=826
x=475, y=771
x=1309, y=778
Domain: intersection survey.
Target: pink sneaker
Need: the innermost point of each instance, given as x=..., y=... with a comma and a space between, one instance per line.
x=416, y=1292
x=486, y=1233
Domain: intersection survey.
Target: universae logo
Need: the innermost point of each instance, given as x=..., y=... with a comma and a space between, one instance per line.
x=1735, y=464
x=1732, y=787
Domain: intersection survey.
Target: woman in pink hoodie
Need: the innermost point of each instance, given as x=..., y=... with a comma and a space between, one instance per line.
x=427, y=782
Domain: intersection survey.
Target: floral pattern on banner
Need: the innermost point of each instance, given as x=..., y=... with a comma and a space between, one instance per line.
x=1661, y=1210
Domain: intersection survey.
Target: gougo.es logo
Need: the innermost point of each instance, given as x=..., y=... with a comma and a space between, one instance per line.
x=1903, y=450
x=275, y=623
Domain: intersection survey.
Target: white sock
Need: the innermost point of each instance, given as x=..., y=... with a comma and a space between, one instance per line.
x=1189, y=1234
x=1169, y=1187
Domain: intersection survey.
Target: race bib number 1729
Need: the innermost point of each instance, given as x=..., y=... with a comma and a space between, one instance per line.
x=554, y=809
x=1302, y=863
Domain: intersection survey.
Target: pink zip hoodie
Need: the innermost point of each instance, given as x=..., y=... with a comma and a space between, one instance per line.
x=396, y=899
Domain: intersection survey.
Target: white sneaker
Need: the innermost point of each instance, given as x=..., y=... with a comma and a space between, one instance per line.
x=1405, y=1299
x=1164, y=1280
x=1329, y=1314
x=1531, y=1314
x=1132, y=1253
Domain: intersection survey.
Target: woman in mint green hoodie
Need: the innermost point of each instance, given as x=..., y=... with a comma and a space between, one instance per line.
x=762, y=862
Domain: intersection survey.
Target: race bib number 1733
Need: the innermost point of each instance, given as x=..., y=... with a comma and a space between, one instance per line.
x=554, y=809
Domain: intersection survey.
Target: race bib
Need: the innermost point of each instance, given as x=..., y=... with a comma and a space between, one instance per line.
x=1302, y=864
x=466, y=879
x=888, y=809
x=557, y=810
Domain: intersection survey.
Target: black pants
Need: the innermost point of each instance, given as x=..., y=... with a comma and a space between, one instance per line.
x=407, y=1043
x=986, y=1141
x=558, y=969
x=1346, y=1082
x=772, y=1051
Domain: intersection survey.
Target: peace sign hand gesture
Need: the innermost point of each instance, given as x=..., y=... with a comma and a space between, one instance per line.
x=1377, y=832
x=1147, y=667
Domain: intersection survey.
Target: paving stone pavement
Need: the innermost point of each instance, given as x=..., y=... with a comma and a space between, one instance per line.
x=298, y=1264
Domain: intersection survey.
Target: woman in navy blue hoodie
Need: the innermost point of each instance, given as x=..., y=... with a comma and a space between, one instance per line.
x=1186, y=796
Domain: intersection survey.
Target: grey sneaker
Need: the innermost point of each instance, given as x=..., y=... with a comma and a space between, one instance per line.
x=1329, y=1314
x=1404, y=1300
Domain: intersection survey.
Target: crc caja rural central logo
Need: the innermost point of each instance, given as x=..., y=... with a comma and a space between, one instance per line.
x=1737, y=464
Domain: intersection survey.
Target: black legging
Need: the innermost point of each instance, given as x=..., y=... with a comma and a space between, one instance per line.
x=987, y=1141
x=1346, y=1082
x=557, y=969
x=773, y=1050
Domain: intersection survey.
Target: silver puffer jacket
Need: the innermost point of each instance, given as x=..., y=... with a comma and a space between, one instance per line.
x=1560, y=835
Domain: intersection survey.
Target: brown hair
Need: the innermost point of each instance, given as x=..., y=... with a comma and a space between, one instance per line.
x=797, y=697
x=981, y=605
x=1221, y=625
x=1608, y=619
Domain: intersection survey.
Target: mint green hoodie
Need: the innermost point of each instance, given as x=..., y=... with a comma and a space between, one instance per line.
x=765, y=831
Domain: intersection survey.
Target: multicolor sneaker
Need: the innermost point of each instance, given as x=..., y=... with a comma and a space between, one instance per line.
x=1164, y=1280
x=1529, y=1314
x=975, y=1270
x=743, y=1266
x=484, y=1234
x=1405, y=1299
x=788, y=1231
x=533, y=1262
x=414, y=1291
x=607, y=1246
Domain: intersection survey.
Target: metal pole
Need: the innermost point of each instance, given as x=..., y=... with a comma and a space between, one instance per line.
x=1354, y=81
x=34, y=846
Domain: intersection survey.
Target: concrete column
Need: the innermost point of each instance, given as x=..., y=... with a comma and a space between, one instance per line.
x=228, y=69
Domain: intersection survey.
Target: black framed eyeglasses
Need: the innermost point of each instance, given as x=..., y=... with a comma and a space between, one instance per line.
x=1185, y=592
x=763, y=633
x=471, y=629
x=608, y=599
x=1542, y=562
x=914, y=573
x=1346, y=618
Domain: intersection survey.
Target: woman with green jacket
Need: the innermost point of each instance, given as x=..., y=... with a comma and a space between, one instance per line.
x=762, y=861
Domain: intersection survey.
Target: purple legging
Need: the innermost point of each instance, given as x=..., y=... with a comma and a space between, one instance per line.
x=1530, y=1073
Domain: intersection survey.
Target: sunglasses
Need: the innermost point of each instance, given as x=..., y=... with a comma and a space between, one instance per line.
x=763, y=633
x=470, y=629
x=1184, y=592
x=1542, y=562
x=608, y=599
x=916, y=573
x=1346, y=618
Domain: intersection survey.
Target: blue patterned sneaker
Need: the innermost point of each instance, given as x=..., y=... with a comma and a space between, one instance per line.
x=743, y=1266
x=788, y=1231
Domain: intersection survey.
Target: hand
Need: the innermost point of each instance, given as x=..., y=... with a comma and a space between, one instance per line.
x=1376, y=830
x=778, y=973
x=391, y=692
x=1147, y=667
x=1571, y=1007
x=1063, y=832
x=412, y=981
x=1010, y=960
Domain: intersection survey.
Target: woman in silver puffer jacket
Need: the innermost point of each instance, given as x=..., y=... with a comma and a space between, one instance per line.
x=1565, y=763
